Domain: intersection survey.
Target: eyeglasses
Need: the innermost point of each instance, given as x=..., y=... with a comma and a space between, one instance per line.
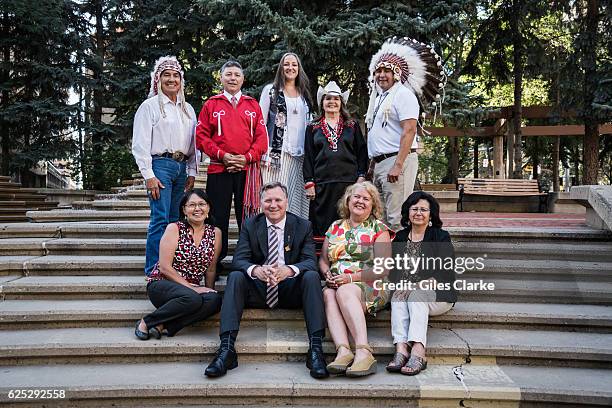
x=421, y=209
x=193, y=206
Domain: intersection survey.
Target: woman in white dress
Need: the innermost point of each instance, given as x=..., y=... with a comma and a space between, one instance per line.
x=286, y=105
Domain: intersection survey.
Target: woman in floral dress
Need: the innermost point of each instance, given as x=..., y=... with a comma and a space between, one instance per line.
x=347, y=260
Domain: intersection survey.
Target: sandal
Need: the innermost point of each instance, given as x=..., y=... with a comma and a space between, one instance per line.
x=364, y=367
x=340, y=364
x=139, y=333
x=415, y=365
x=395, y=365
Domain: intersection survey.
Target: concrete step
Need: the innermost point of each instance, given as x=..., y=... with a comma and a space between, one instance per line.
x=12, y=204
x=284, y=342
x=128, y=283
x=13, y=218
x=87, y=215
x=23, y=246
x=38, y=314
x=81, y=265
x=539, y=269
x=571, y=292
x=289, y=384
x=570, y=251
x=78, y=246
x=115, y=205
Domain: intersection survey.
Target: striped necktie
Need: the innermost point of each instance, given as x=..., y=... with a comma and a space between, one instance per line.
x=272, y=291
x=234, y=102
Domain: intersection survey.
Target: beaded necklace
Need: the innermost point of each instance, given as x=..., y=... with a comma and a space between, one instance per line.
x=332, y=135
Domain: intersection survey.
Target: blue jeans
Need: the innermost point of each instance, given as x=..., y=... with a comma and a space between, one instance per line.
x=165, y=210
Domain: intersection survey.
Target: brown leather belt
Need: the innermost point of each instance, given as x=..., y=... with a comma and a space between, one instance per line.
x=177, y=156
x=381, y=157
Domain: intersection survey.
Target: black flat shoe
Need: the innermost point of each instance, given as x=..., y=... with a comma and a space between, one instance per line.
x=315, y=361
x=155, y=333
x=140, y=334
x=224, y=360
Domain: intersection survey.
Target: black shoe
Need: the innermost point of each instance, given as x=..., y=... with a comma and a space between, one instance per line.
x=224, y=360
x=316, y=363
x=140, y=334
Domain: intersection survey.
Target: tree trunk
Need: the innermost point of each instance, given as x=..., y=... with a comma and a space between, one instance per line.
x=476, y=158
x=453, y=163
x=518, y=88
x=555, y=164
x=510, y=148
x=591, y=126
x=576, y=180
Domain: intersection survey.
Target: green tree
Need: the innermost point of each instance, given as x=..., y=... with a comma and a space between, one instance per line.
x=37, y=72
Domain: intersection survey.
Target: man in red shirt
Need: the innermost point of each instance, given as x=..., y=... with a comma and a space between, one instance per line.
x=232, y=132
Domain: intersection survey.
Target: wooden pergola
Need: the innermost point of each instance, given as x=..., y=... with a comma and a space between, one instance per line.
x=502, y=130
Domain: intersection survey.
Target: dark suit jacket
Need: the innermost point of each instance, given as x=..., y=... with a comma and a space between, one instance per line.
x=436, y=243
x=252, y=248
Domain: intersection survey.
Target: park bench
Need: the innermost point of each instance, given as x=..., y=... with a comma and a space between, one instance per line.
x=438, y=187
x=502, y=188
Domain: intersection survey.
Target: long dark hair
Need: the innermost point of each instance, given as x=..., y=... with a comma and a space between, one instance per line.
x=200, y=193
x=301, y=81
x=434, y=208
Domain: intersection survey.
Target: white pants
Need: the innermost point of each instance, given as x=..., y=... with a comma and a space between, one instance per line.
x=394, y=194
x=409, y=317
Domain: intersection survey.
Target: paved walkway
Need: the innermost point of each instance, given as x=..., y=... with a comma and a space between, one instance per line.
x=512, y=220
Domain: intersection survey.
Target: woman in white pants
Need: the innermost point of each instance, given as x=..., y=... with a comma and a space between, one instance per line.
x=433, y=293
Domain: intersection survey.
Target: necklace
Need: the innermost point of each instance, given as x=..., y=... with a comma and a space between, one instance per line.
x=332, y=135
x=295, y=100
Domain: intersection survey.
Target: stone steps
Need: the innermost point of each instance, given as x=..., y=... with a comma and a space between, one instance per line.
x=67, y=283
x=40, y=314
x=87, y=215
x=288, y=383
x=270, y=343
x=590, y=259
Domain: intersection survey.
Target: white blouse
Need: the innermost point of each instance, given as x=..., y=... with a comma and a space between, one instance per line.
x=298, y=116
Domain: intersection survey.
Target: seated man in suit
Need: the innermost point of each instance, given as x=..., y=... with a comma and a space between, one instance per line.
x=274, y=266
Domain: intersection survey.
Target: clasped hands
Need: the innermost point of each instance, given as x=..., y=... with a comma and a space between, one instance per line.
x=272, y=275
x=334, y=282
x=234, y=162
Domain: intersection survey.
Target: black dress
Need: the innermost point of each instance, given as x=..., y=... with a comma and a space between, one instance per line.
x=332, y=170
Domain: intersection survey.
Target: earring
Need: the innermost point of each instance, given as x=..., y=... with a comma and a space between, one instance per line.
x=430, y=224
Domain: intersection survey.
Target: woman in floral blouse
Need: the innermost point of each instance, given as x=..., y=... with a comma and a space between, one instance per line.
x=346, y=263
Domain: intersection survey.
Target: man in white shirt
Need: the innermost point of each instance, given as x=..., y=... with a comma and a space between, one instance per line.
x=163, y=146
x=405, y=76
x=392, y=142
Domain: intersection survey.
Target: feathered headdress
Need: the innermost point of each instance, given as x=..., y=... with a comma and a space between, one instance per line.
x=162, y=64
x=416, y=66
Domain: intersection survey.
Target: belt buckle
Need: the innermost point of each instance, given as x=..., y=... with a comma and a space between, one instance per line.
x=178, y=156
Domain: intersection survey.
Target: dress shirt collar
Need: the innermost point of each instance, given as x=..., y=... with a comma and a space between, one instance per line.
x=229, y=96
x=166, y=100
x=280, y=224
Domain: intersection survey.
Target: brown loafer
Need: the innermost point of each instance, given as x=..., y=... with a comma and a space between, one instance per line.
x=395, y=365
x=414, y=365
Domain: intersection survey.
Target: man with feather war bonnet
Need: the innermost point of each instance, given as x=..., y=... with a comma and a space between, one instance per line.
x=405, y=77
x=163, y=146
